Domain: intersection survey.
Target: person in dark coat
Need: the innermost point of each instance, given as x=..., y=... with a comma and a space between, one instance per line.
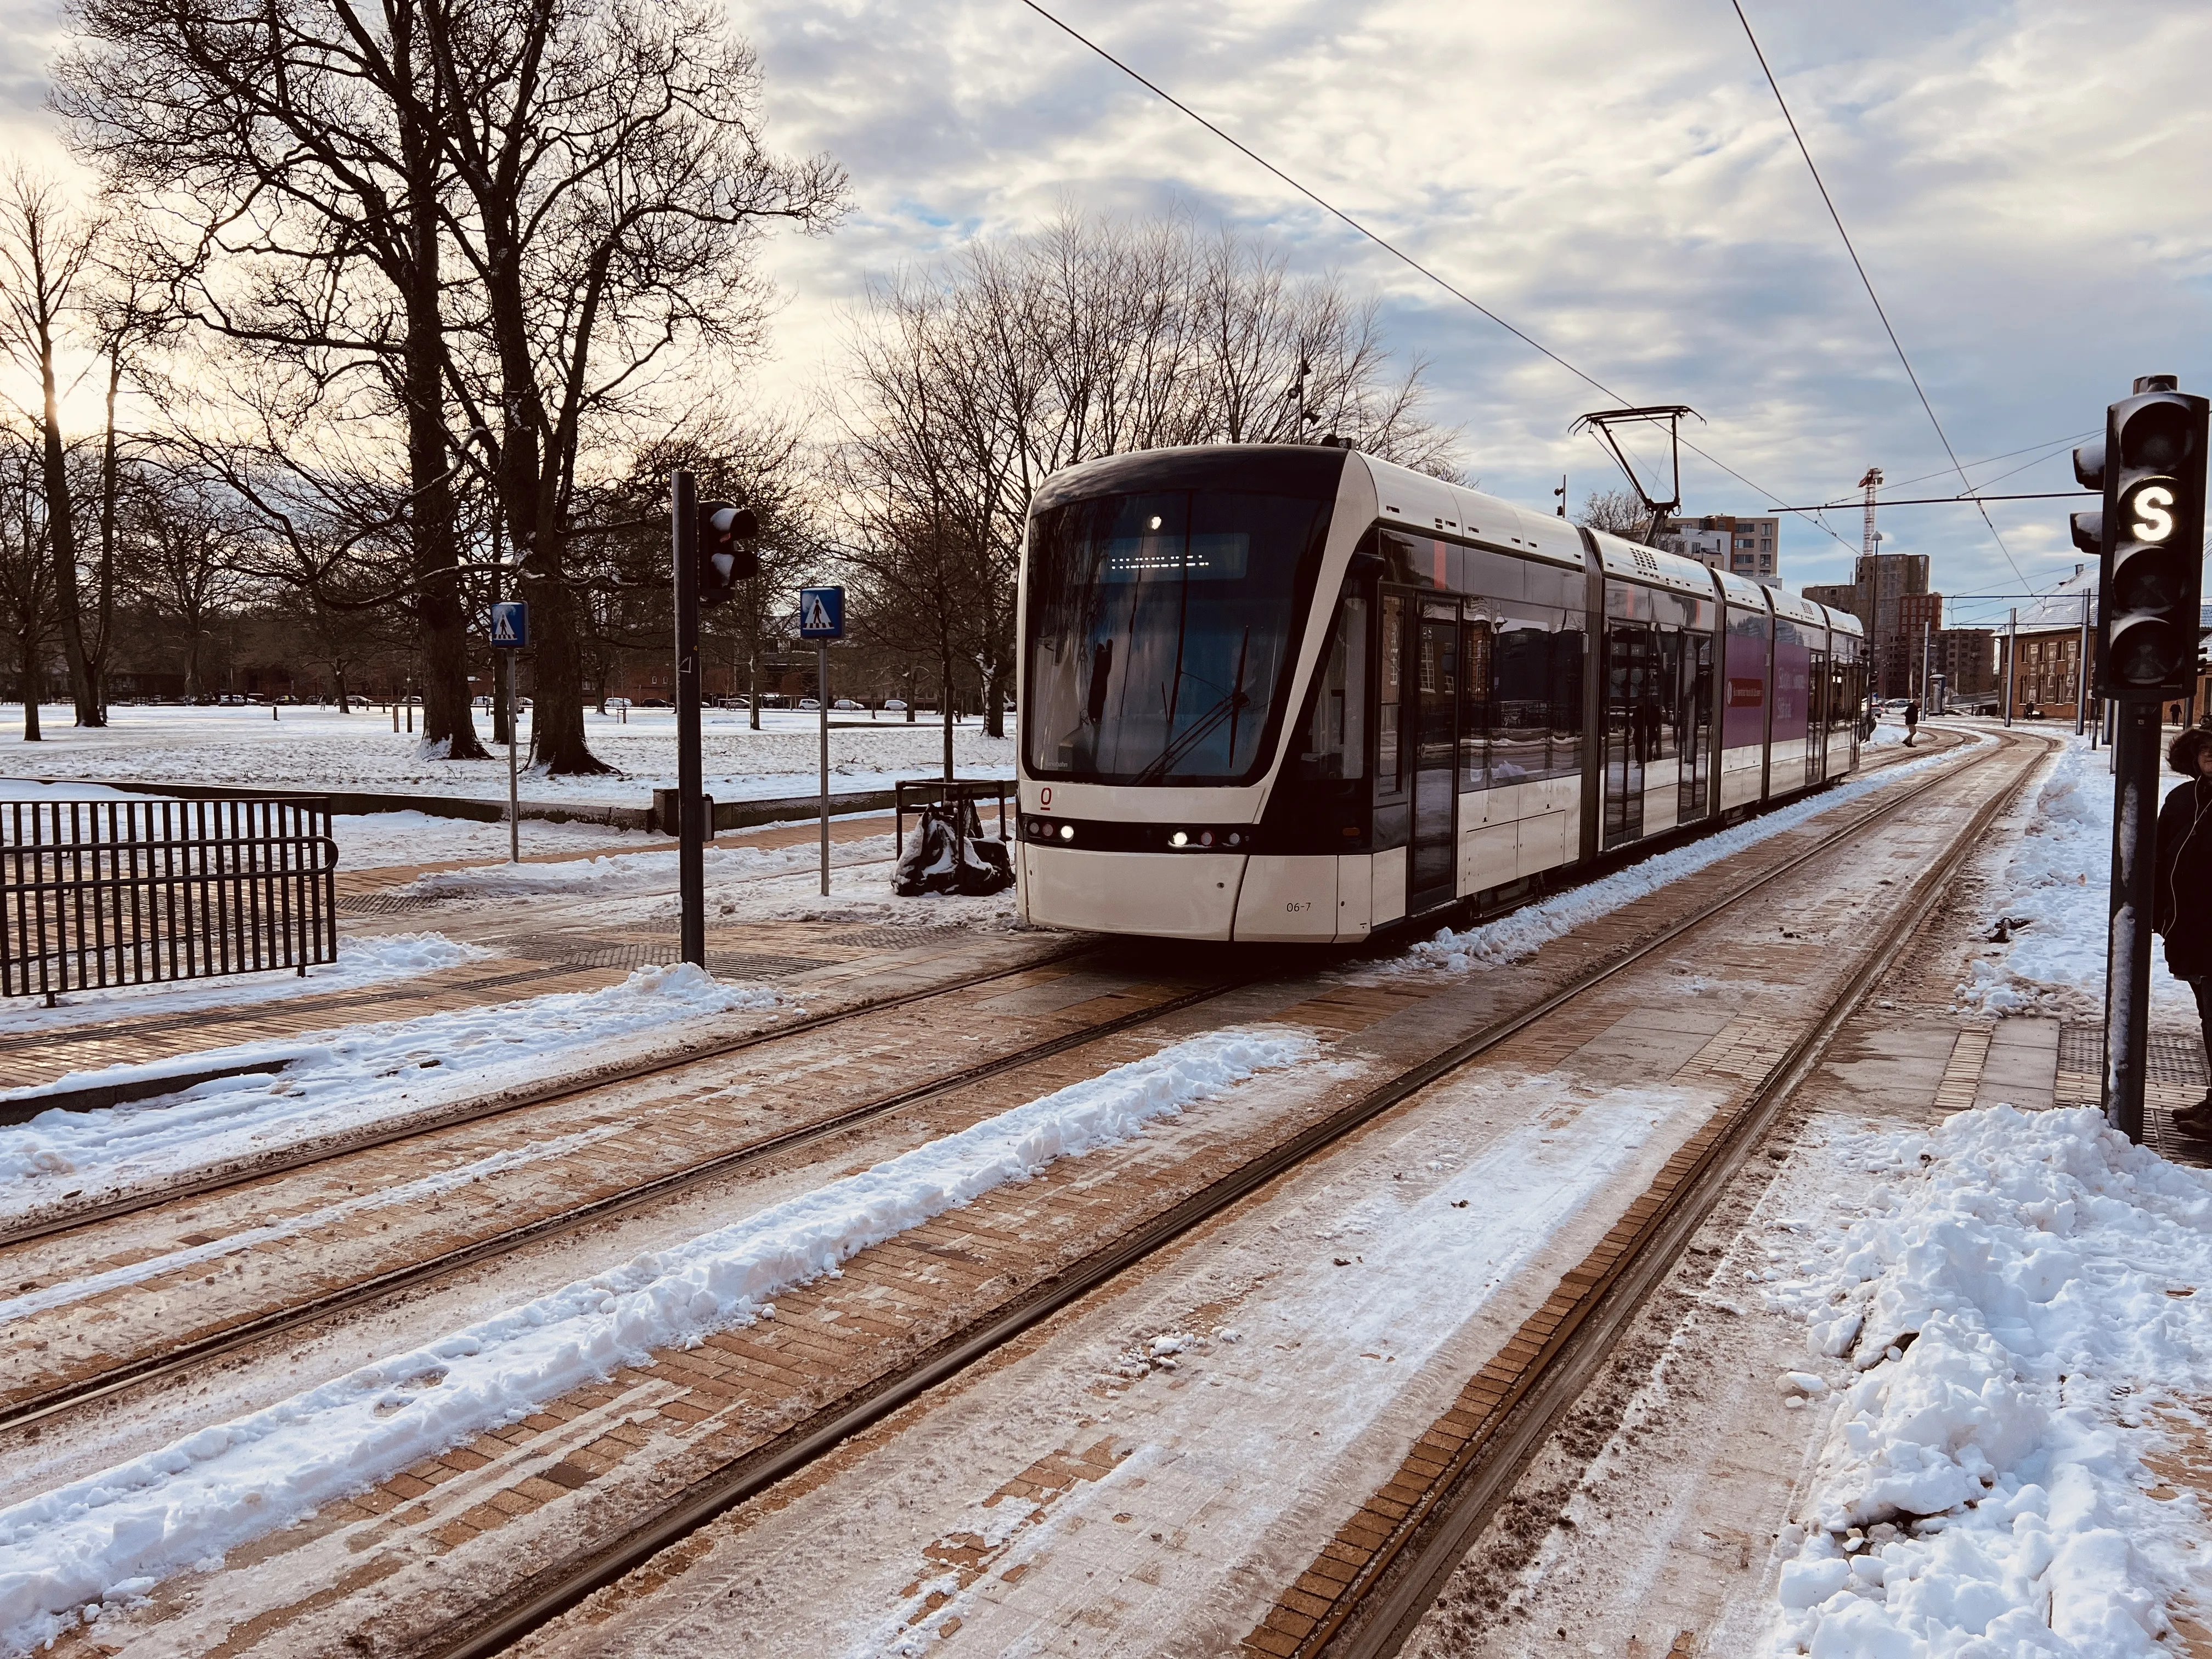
x=1911, y=720
x=2182, y=912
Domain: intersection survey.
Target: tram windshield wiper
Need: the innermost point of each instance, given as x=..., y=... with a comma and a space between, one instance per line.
x=1231, y=705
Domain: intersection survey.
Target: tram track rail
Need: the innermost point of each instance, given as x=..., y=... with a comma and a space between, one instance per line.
x=150, y=1370
x=569, y=1086
x=236, y=1338
x=1382, y=1605
x=502, y=1619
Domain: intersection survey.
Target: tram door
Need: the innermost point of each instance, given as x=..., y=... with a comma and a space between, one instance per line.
x=1432, y=864
x=1630, y=723
x=1696, y=726
x=1816, y=716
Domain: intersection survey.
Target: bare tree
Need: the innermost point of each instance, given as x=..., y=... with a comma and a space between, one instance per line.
x=971, y=384
x=316, y=252
x=613, y=189
x=44, y=251
x=180, y=540
x=1617, y=511
x=27, y=569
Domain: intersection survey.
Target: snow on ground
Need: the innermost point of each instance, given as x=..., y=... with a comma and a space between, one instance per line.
x=368, y=841
x=1522, y=932
x=2055, y=887
x=2004, y=1323
x=69, y=1291
x=332, y=1081
x=362, y=962
x=309, y=748
x=119, y=1532
x=642, y=871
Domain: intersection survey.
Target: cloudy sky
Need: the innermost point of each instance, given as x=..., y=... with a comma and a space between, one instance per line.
x=2024, y=181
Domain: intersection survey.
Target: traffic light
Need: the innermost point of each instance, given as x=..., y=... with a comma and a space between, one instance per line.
x=725, y=556
x=2149, y=539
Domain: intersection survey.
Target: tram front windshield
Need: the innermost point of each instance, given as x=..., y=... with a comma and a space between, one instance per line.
x=1160, y=632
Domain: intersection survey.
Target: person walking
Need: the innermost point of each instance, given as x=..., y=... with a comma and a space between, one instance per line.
x=2182, y=911
x=1912, y=720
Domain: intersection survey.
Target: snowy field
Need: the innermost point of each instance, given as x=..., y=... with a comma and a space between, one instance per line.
x=368, y=840
x=309, y=748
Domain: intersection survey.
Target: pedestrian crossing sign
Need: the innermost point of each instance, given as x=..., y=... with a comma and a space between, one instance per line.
x=821, y=613
x=510, y=625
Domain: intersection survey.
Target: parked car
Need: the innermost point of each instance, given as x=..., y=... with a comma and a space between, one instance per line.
x=617, y=702
x=810, y=702
x=846, y=702
x=653, y=702
x=896, y=705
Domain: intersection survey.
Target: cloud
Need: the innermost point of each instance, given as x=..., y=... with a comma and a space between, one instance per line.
x=1611, y=175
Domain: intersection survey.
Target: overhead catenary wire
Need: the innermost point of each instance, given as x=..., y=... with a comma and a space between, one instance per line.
x=1859, y=265
x=1389, y=248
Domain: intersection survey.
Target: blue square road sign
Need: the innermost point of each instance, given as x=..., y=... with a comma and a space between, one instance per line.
x=510, y=625
x=821, y=613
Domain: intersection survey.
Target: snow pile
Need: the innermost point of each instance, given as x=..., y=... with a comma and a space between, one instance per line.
x=119, y=1531
x=337, y=1080
x=366, y=960
x=2013, y=1303
x=1522, y=932
x=2054, y=896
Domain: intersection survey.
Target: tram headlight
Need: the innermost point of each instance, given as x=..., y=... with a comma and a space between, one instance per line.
x=1067, y=832
x=1179, y=839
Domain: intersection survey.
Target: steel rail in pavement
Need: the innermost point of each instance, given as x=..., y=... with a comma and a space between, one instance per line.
x=479, y=1109
x=1428, y=1546
x=152, y=1368
x=501, y=1620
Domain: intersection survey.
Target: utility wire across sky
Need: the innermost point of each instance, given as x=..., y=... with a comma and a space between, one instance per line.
x=1828, y=201
x=1398, y=253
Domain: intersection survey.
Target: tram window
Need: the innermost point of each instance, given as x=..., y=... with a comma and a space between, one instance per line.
x=1566, y=753
x=1159, y=632
x=1476, y=660
x=1521, y=719
x=1335, y=744
x=1388, y=760
x=1792, y=664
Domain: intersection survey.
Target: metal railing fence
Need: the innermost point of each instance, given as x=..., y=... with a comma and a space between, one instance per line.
x=129, y=892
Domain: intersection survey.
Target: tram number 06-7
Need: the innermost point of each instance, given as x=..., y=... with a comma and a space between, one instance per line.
x=1298, y=907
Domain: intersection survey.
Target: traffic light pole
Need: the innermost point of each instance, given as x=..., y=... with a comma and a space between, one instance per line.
x=2127, y=968
x=691, y=779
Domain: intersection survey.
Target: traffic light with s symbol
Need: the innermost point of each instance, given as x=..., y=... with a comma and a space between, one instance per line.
x=727, y=556
x=2149, y=538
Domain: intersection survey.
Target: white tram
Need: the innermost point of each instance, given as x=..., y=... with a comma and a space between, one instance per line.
x=1293, y=693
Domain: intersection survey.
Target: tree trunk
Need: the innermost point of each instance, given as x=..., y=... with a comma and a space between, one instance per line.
x=61, y=532
x=441, y=619
x=110, y=484
x=337, y=675
x=31, y=689
x=753, y=668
